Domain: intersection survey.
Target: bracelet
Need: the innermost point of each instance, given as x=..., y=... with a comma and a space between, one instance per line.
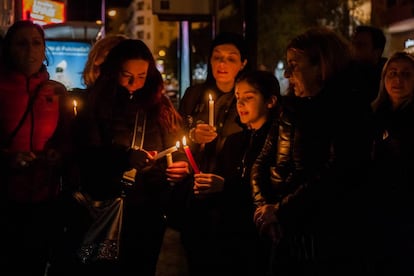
x=191, y=135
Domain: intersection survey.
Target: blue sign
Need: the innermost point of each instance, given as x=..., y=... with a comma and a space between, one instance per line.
x=67, y=60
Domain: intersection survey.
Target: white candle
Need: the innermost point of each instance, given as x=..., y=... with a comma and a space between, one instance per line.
x=75, y=107
x=165, y=152
x=169, y=159
x=210, y=111
x=169, y=155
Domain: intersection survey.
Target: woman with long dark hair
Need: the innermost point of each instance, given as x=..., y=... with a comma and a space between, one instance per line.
x=129, y=121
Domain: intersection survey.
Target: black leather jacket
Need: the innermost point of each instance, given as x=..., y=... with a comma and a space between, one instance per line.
x=305, y=162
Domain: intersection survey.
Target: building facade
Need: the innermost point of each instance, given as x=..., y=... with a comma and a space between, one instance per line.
x=397, y=19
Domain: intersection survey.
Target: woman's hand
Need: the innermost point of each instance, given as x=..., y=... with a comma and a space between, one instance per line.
x=266, y=221
x=22, y=159
x=207, y=183
x=140, y=159
x=177, y=171
x=203, y=133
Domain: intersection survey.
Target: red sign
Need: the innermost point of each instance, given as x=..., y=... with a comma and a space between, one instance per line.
x=44, y=12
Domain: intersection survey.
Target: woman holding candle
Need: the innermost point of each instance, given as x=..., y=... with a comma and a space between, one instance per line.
x=224, y=239
x=34, y=148
x=129, y=93
x=209, y=109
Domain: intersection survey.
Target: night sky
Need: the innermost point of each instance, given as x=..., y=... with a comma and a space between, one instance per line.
x=90, y=10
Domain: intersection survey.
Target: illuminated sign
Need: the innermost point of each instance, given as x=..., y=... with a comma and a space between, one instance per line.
x=409, y=43
x=43, y=12
x=66, y=62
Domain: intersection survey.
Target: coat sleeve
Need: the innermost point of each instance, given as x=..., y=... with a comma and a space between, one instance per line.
x=260, y=173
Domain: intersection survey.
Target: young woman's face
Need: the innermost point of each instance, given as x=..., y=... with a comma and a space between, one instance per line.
x=133, y=74
x=226, y=63
x=399, y=81
x=28, y=50
x=303, y=76
x=251, y=106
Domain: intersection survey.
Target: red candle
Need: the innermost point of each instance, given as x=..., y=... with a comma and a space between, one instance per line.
x=190, y=156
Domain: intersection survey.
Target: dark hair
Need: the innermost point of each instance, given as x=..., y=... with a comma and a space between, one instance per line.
x=227, y=38
x=325, y=48
x=11, y=32
x=377, y=35
x=264, y=82
x=230, y=38
x=129, y=49
x=152, y=96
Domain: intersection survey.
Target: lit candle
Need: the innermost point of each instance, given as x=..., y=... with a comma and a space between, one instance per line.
x=210, y=110
x=75, y=107
x=190, y=156
x=169, y=155
x=165, y=152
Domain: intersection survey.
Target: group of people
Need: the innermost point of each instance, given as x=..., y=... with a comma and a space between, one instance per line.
x=316, y=182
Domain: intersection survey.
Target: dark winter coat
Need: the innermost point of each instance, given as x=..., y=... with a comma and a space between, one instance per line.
x=391, y=189
x=107, y=145
x=194, y=109
x=309, y=162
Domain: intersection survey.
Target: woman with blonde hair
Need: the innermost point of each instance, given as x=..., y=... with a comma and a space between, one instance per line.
x=393, y=156
x=97, y=56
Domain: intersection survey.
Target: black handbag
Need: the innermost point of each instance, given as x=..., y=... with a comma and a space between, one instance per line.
x=102, y=240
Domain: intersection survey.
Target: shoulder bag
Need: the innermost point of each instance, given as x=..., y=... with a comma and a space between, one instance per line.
x=101, y=241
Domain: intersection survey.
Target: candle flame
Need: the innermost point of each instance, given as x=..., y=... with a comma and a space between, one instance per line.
x=75, y=103
x=210, y=97
x=177, y=144
x=184, y=141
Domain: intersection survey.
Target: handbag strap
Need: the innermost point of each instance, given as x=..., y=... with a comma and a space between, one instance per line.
x=24, y=116
x=139, y=130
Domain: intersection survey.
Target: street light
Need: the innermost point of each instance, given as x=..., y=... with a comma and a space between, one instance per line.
x=162, y=53
x=112, y=13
